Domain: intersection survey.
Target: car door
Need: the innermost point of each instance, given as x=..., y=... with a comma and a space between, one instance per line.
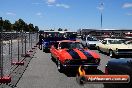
x=103, y=45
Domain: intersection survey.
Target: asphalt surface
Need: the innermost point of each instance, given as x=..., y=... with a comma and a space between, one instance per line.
x=42, y=73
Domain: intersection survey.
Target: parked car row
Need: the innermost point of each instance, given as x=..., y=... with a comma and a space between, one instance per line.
x=110, y=46
x=71, y=54
x=115, y=48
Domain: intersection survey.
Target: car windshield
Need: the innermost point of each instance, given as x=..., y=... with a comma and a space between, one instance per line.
x=116, y=41
x=50, y=39
x=91, y=39
x=70, y=45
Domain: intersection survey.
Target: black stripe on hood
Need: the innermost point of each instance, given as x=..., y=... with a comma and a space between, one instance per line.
x=87, y=54
x=74, y=54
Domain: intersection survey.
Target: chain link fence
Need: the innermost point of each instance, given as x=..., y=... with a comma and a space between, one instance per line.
x=13, y=48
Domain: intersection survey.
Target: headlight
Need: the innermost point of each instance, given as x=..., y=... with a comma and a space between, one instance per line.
x=67, y=61
x=97, y=60
x=116, y=50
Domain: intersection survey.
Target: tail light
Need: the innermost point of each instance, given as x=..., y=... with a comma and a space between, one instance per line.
x=106, y=70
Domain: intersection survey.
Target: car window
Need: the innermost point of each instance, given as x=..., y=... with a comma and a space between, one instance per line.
x=104, y=41
x=70, y=45
x=56, y=44
x=116, y=41
x=91, y=39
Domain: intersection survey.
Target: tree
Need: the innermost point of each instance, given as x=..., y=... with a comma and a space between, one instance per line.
x=51, y=30
x=19, y=25
x=60, y=29
x=65, y=30
x=7, y=25
x=31, y=27
x=36, y=28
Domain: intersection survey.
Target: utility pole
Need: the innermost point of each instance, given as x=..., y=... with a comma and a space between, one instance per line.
x=101, y=8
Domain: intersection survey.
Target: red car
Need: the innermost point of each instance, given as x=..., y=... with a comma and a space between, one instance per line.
x=68, y=53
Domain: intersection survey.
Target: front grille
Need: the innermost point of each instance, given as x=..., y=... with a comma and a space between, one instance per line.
x=125, y=50
x=82, y=62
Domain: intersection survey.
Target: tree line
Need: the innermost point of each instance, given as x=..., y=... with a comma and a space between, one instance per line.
x=19, y=25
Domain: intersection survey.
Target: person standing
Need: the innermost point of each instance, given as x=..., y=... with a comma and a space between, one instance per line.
x=40, y=41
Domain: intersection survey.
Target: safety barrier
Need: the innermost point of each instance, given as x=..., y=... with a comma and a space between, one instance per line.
x=14, y=48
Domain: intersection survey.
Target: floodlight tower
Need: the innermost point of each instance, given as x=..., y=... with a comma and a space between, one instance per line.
x=101, y=8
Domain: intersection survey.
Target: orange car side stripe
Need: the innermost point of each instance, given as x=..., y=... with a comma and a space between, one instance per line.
x=80, y=54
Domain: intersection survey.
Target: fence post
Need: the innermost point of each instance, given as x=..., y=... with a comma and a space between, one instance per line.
x=22, y=41
x=1, y=51
x=25, y=43
x=11, y=47
x=18, y=44
x=31, y=40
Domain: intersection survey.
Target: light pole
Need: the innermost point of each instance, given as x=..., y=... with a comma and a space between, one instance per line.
x=101, y=8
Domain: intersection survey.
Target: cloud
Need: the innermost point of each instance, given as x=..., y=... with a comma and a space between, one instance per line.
x=63, y=5
x=10, y=13
x=50, y=5
x=39, y=14
x=36, y=3
x=129, y=14
x=127, y=5
x=51, y=1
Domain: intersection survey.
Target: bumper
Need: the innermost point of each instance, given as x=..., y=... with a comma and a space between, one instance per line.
x=123, y=54
x=80, y=65
x=92, y=46
x=46, y=47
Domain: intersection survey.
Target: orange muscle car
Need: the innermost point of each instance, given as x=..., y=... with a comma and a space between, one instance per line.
x=68, y=53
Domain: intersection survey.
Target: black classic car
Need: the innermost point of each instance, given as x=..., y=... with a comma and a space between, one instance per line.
x=122, y=66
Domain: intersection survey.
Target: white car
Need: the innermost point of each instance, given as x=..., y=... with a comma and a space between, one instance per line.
x=90, y=42
x=115, y=47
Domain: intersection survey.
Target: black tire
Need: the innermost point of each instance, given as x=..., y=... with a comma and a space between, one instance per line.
x=86, y=45
x=60, y=67
x=98, y=49
x=81, y=80
x=43, y=50
x=53, y=59
x=111, y=53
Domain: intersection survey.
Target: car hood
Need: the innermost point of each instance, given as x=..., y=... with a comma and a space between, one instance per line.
x=78, y=54
x=120, y=46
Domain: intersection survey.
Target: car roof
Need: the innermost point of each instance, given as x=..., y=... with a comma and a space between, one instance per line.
x=112, y=39
x=68, y=41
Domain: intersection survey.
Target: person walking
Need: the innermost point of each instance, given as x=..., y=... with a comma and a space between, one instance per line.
x=40, y=41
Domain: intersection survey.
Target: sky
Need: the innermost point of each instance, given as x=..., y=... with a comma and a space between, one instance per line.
x=69, y=14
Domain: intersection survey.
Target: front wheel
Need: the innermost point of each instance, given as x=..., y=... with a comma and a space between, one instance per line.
x=111, y=53
x=60, y=67
x=98, y=49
